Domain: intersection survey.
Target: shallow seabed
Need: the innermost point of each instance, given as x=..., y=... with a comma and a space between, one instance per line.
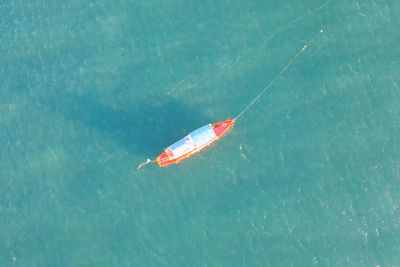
x=309, y=175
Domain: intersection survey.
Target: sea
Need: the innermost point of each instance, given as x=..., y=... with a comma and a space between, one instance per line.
x=309, y=175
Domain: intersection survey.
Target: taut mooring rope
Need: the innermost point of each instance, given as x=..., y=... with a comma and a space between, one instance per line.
x=277, y=76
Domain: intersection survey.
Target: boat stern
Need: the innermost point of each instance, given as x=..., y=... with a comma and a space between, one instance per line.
x=163, y=159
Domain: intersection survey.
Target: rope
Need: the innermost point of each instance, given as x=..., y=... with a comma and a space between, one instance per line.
x=277, y=76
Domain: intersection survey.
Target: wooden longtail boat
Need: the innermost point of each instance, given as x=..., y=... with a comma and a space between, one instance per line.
x=194, y=142
x=208, y=134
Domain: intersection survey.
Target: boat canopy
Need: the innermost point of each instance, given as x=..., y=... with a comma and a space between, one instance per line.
x=194, y=140
x=203, y=135
x=182, y=147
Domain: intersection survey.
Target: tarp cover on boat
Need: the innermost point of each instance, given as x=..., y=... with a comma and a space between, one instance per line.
x=203, y=135
x=182, y=147
x=195, y=139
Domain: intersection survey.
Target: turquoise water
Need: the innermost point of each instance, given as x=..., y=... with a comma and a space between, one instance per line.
x=308, y=176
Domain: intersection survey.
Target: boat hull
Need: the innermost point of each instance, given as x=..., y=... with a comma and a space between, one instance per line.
x=194, y=142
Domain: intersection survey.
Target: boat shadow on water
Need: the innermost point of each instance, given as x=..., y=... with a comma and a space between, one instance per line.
x=144, y=128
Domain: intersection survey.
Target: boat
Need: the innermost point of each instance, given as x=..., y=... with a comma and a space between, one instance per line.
x=194, y=142
x=208, y=134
